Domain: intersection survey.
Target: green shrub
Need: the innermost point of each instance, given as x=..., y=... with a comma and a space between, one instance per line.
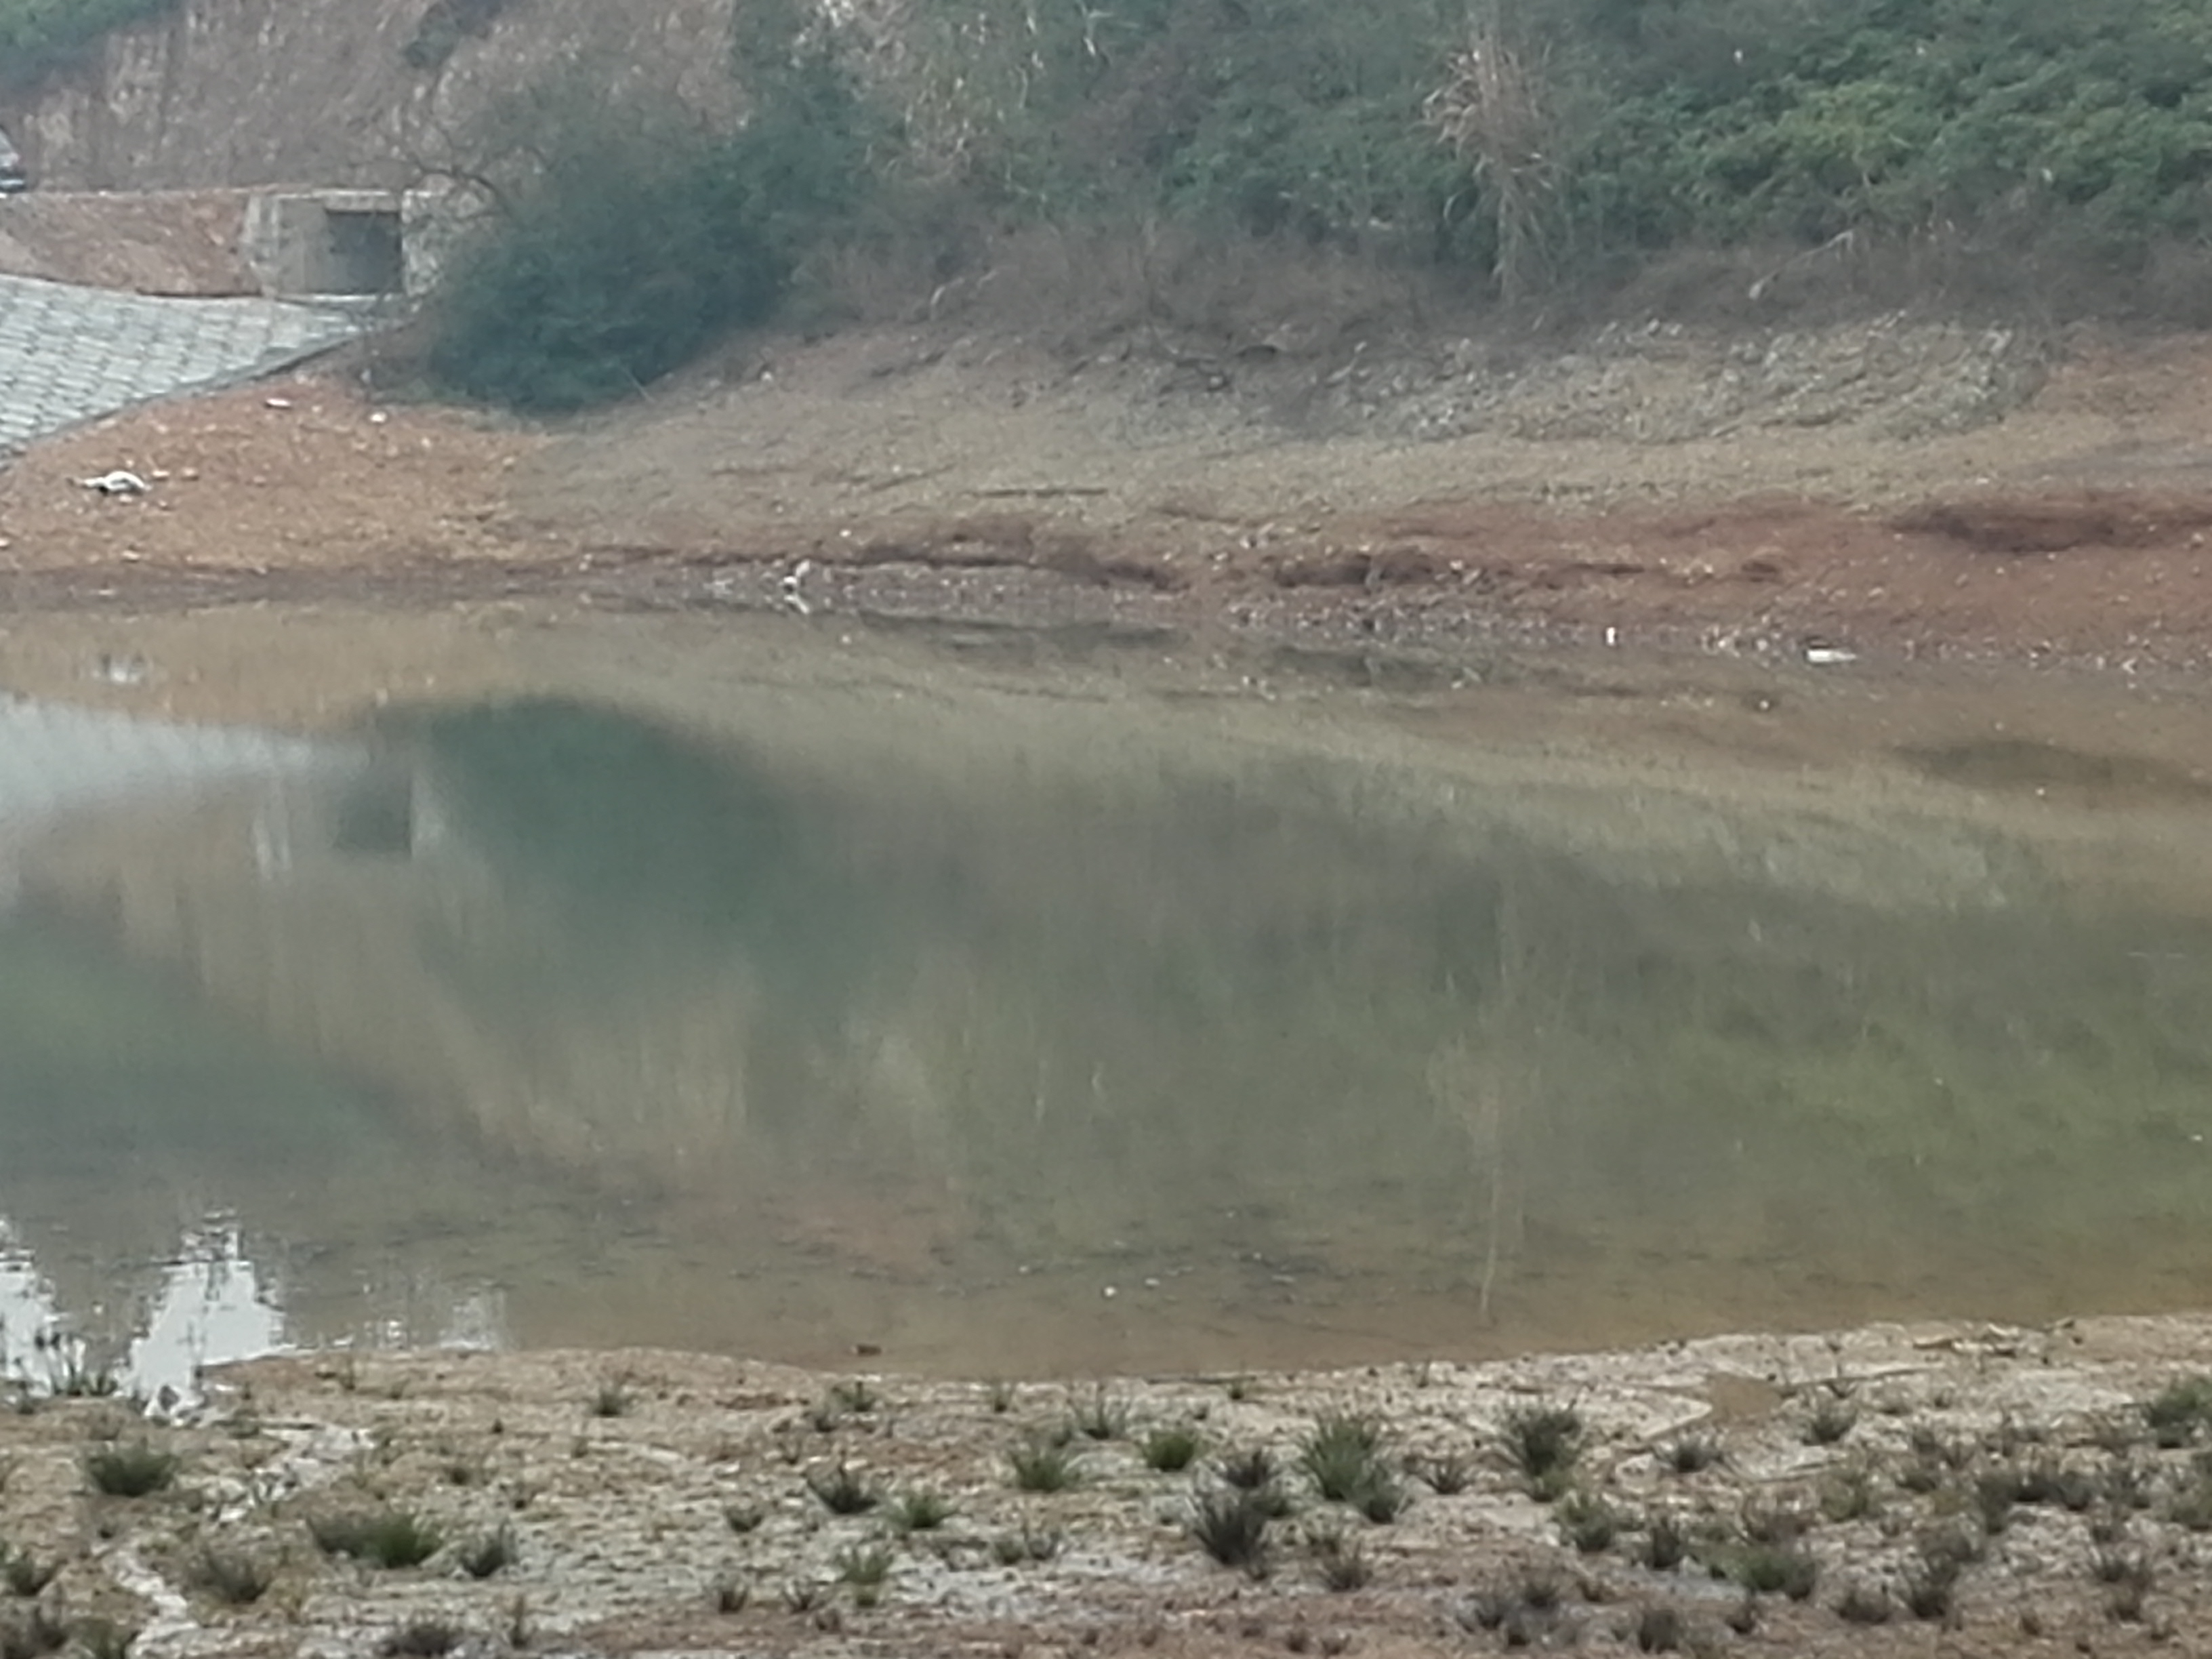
x=445, y=24
x=625, y=242
x=390, y=1539
x=1726, y=120
x=619, y=263
x=1265, y=117
x=41, y=38
x=623, y=246
x=1341, y=1456
x=132, y=1471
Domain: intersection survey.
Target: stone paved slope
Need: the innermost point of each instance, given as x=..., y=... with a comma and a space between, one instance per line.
x=70, y=353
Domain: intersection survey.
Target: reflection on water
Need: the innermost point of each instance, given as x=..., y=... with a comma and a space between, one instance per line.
x=1009, y=1037
x=207, y=1303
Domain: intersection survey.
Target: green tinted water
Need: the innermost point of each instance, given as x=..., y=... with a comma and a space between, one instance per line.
x=1037, y=1020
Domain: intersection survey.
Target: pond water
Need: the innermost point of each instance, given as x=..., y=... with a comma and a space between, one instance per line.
x=1007, y=1005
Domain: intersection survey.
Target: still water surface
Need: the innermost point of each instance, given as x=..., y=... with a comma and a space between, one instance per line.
x=686, y=986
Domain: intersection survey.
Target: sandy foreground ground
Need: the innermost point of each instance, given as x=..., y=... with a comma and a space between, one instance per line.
x=1952, y=1490
x=1939, y=1490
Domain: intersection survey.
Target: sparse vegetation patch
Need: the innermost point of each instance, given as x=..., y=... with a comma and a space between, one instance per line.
x=389, y=1538
x=234, y=1578
x=1545, y=1443
x=1043, y=1465
x=843, y=1491
x=1231, y=1526
x=1171, y=1449
x=137, y=1470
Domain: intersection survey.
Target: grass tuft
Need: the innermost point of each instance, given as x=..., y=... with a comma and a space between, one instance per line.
x=1171, y=1449
x=2191, y=1506
x=1831, y=1422
x=842, y=1491
x=1043, y=1465
x=103, y=1638
x=2178, y=1412
x=1692, y=1454
x=134, y=1471
x=1588, y=1522
x=1540, y=1592
x=801, y=1595
x=1931, y=1585
x=1342, y=1456
x=33, y=1635
x=24, y=1573
x=864, y=1567
x=1771, y=1569
x=232, y=1578
x=1659, y=1629
x=70, y=1376
x=1862, y=1604
x=1247, y=1471
x=1666, y=1546
x=1343, y=1563
x=1231, y=1526
x=1012, y=1549
x=1382, y=1497
x=1102, y=1416
x=1848, y=1494
x=426, y=1638
x=1447, y=1476
x=921, y=1510
x=1545, y=1443
x=610, y=1399
x=390, y=1539
x=1772, y=1523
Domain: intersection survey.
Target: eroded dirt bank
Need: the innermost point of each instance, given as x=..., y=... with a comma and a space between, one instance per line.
x=1957, y=1490
x=1896, y=489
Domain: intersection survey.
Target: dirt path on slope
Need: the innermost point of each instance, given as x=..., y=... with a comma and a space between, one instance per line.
x=1891, y=492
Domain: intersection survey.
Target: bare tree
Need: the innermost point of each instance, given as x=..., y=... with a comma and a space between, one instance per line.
x=1498, y=110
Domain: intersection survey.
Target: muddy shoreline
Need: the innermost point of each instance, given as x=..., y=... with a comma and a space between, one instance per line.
x=1756, y=497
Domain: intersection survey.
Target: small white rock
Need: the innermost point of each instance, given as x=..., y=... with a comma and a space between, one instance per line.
x=118, y=483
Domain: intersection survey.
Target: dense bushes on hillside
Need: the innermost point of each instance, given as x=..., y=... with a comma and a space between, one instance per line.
x=623, y=241
x=40, y=37
x=614, y=267
x=1543, y=141
x=1666, y=121
x=1895, y=116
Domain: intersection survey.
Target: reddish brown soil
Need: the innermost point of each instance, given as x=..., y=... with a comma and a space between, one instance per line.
x=968, y=477
x=176, y=242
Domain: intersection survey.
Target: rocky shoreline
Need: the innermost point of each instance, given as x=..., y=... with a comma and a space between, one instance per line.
x=1957, y=1489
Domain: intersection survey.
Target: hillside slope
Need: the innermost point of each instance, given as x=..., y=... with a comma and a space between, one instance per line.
x=248, y=92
